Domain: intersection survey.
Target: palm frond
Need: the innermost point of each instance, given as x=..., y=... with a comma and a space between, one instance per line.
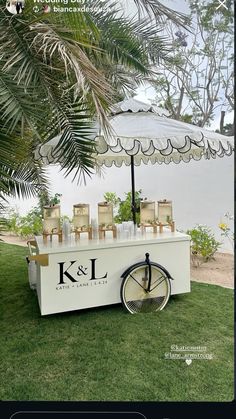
x=120, y=43
x=16, y=106
x=20, y=175
x=51, y=40
x=23, y=181
x=58, y=71
x=17, y=56
x=76, y=147
x=37, y=54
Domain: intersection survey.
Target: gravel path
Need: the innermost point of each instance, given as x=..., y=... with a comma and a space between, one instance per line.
x=219, y=271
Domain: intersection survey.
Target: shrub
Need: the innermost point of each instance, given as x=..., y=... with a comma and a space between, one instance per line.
x=31, y=224
x=203, y=242
x=124, y=208
x=26, y=226
x=11, y=221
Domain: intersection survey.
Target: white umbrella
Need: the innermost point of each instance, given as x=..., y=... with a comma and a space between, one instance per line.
x=143, y=133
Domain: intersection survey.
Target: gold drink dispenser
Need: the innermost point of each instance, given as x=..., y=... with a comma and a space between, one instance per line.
x=147, y=212
x=165, y=214
x=148, y=215
x=81, y=220
x=105, y=219
x=51, y=222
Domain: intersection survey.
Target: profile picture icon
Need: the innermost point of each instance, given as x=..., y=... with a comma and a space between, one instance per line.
x=46, y=8
x=16, y=7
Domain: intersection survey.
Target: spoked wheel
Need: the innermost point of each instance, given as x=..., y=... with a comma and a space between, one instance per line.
x=145, y=288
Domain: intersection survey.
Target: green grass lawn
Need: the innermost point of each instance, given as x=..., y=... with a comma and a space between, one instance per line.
x=106, y=354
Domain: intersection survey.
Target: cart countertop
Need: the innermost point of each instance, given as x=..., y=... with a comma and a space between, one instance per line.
x=70, y=245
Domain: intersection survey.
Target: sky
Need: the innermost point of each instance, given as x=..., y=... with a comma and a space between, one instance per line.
x=147, y=94
x=178, y=5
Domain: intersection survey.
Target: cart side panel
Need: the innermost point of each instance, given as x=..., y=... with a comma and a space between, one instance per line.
x=78, y=280
x=92, y=278
x=175, y=257
x=38, y=284
x=172, y=255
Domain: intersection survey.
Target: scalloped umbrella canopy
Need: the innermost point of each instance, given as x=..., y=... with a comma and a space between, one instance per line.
x=147, y=134
x=143, y=133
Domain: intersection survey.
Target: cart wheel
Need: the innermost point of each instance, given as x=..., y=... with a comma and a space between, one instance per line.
x=145, y=288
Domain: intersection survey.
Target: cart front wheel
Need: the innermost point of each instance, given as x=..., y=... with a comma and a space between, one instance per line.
x=145, y=289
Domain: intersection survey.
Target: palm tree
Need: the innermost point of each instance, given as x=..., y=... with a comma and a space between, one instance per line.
x=59, y=70
x=19, y=175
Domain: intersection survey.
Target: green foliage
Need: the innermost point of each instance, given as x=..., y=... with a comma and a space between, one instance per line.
x=124, y=212
x=43, y=199
x=31, y=224
x=187, y=118
x=203, y=242
x=58, y=70
x=11, y=221
x=3, y=225
x=55, y=199
x=26, y=226
x=20, y=175
x=112, y=198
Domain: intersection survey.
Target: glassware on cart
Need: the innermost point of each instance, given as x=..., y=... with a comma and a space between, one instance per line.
x=131, y=228
x=51, y=222
x=81, y=220
x=119, y=229
x=66, y=230
x=165, y=215
x=148, y=216
x=105, y=219
x=128, y=229
x=125, y=225
x=94, y=225
x=126, y=234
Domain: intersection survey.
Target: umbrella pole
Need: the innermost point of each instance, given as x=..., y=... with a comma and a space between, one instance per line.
x=133, y=205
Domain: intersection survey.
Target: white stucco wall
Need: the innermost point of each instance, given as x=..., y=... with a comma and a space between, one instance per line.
x=201, y=191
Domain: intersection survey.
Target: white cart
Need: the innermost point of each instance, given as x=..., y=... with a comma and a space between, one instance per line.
x=141, y=272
